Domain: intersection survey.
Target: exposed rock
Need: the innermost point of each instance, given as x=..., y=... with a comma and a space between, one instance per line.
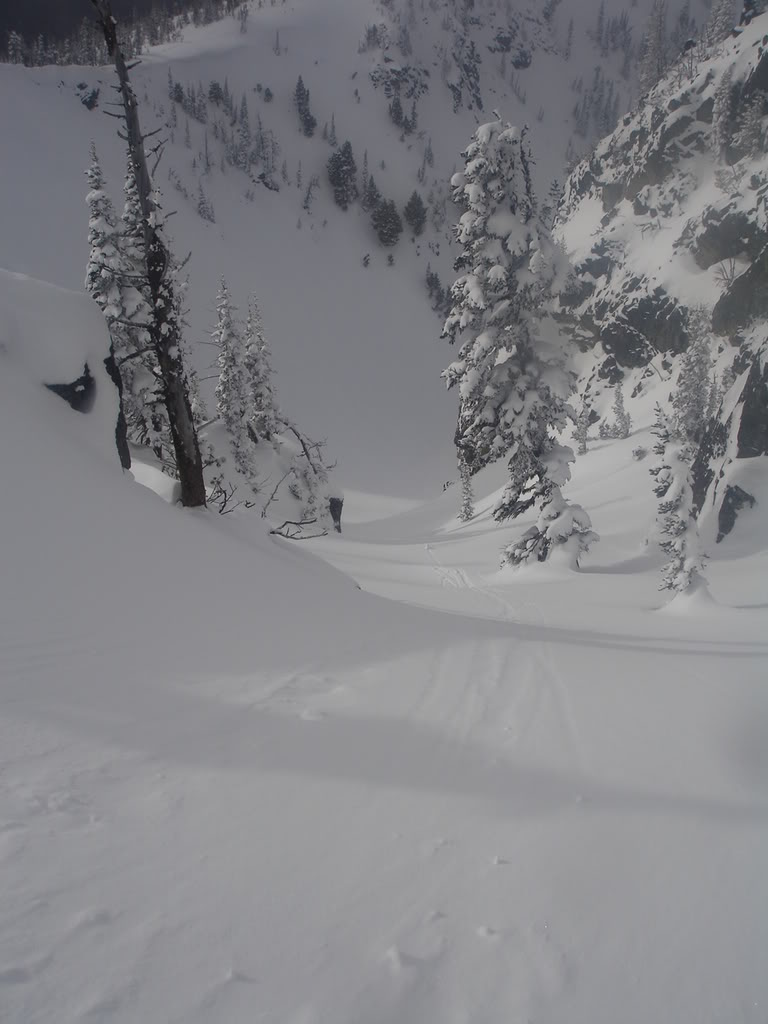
x=734, y=500
x=80, y=393
x=745, y=300
x=725, y=233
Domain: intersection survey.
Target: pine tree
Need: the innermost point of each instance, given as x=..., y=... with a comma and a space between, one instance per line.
x=145, y=410
x=511, y=371
x=371, y=196
x=582, y=428
x=415, y=213
x=301, y=99
x=676, y=519
x=396, y=111
x=690, y=399
x=750, y=137
x=204, y=205
x=265, y=420
x=332, y=140
x=234, y=395
x=722, y=116
x=467, y=510
x=342, y=174
x=244, y=139
x=387, y=222
x=623, y=423
x=721, y=21
x=655, y=55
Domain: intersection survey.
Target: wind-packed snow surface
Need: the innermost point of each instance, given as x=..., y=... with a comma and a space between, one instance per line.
x=366, y=779
x=234, y=787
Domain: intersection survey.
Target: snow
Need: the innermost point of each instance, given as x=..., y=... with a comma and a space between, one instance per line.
x=236, y=787
x=365, y=779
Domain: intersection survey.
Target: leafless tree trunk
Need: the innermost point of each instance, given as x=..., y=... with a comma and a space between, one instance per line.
x=165, y=326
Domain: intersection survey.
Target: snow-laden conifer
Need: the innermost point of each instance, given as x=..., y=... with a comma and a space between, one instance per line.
x=691, y=397
x=511, y=371
x=676, y=517
x=750, y=136
x=145, y=409
x=654, y=58
x=623, y=423
x=265, y=417
x=467, y=510
x=721, y=20
x=234, y=394
x=722, y=118
x=582, y=428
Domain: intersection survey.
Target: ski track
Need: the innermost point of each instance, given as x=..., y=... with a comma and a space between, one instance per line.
x=545, y=673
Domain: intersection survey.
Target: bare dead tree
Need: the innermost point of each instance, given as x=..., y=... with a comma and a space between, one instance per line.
x=165, y=327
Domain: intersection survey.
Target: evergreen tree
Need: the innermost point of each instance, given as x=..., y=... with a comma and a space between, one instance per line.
x=750, y=137
x=511, y=371
x=332, y=140
x=623, y=419
x=387, y=222
x=676, y=519
x=655, y=52
x=342, y=174
x=265, y=419
x=415, y=213
x=234, y=394
x=371, y=196
x=301, y=98
x=721, y=20
x=396, y=111
x=722, y=116
x=244, y=139
x=467, y=510
x=582, y=428
x=204, y=205
x=145, y=410
x=690, y=399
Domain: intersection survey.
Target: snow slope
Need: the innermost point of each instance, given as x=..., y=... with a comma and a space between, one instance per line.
x=235, y=787
x=341, y=334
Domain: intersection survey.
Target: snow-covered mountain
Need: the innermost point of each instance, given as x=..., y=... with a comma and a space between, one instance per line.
x=341, y=331
x=371, y=779
x=668, y=216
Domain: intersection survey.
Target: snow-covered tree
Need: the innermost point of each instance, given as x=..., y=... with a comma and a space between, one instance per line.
x=654, y=59
x=234, y=394
x=415, y=213
x=244, y=138
x=511, y=371
x=371, y=196
x=750, y=136
x=623, y=419
x=265, y=418
x=204, y=205
x=582, y=428
x=676, y=519
x=467, y=510
x=722, y=116
x=114, y=277
x=387, y=222
x=342, y=174
x=721, y=20
x=102, y=276
x=691, y=397
x=145, y=409
x=306, y=119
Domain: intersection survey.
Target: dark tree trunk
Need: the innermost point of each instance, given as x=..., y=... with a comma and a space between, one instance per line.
x=121, y=428
x=165, y=328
